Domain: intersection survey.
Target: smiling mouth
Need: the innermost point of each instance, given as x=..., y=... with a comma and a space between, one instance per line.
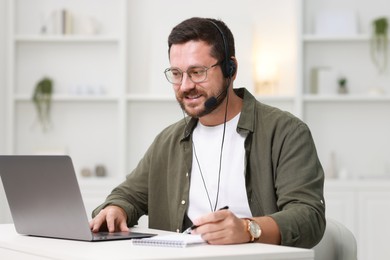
x=192, y=96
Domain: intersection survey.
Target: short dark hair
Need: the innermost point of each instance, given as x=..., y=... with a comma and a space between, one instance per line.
x=203, y=29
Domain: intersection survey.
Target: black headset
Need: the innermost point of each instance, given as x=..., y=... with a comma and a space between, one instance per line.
x=228, y=65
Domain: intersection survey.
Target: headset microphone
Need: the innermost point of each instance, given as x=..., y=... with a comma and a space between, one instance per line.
x=210, y=103
x=213, y=101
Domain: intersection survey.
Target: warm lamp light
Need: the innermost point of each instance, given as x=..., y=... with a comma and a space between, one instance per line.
x=266, y=74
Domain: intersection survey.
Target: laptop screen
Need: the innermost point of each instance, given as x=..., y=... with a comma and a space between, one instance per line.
x=44, y=197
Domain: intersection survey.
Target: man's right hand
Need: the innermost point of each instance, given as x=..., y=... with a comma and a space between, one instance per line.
x=112, y=217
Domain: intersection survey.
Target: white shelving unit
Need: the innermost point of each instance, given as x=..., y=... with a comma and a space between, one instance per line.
x=352, y=128
x=88, y=69
x=362, y=206
x=112, y=127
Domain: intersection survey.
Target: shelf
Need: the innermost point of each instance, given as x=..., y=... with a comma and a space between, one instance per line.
x=71, y=98
x=373, y=183
x=328, y=38
x=345, y=98
x=66, y=38
x=150, y=98
x=95, y=183
x=275, y=98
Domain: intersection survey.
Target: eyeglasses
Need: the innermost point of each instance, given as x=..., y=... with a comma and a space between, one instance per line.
x=197, y=74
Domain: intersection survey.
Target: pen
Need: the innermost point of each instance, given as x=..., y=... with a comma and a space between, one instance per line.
x=188, y=230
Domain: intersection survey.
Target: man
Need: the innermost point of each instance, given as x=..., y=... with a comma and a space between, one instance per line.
x=231, y=151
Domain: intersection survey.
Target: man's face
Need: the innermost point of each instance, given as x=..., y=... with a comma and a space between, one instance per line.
x=192, y=96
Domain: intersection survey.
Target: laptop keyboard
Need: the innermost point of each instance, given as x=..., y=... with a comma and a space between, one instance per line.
x=118, y=235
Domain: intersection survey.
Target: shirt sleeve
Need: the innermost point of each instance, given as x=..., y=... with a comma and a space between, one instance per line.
x=299, y=179
x=132, y=194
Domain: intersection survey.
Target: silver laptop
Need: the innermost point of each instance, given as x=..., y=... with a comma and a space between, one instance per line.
x=45, y=199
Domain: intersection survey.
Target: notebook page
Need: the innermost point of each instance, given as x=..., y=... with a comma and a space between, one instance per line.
x=172, y=240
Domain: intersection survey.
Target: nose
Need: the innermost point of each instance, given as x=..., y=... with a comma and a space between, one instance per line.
x=186, y=83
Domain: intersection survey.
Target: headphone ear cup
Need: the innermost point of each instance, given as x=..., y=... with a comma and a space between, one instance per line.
x=232, y=68
x=228, y=68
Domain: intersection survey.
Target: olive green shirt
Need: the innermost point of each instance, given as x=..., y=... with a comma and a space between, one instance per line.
x=284, y=177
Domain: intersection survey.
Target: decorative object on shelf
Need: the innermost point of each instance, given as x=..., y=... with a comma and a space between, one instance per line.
x=100, y=170
x=42, y=100
x=331, y=167
x=323, y=81
x=86, y=172
x=342, y=85
x=336, y=22
x=66, y=22
x=59, y=21
x=87, y=90
x=379, y=43
x=89, y=25
x=343, y=174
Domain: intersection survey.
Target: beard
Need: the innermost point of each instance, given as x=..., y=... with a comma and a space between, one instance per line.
x=204, y=110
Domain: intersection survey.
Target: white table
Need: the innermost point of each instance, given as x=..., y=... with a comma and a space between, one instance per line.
x=15, y=246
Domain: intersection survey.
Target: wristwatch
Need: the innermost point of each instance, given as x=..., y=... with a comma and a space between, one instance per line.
x=253, y=229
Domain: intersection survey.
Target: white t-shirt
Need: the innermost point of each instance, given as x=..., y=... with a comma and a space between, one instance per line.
x=207, y=149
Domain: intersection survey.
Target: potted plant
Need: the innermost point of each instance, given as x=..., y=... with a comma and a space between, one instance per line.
x=42, y=100
x=342, y=82
x=379, y=43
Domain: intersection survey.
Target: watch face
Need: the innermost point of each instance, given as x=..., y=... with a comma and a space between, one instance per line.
x=254, y=229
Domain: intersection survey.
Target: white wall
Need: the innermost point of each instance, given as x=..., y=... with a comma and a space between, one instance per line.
x=150, y=22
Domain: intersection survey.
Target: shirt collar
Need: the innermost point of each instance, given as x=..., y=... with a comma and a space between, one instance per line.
x=245, y=123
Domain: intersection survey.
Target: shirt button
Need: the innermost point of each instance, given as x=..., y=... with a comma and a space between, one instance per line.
x=187, y=174
x=183, y=202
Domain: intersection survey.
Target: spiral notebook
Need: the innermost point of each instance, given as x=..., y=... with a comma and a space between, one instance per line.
x=174, y=240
